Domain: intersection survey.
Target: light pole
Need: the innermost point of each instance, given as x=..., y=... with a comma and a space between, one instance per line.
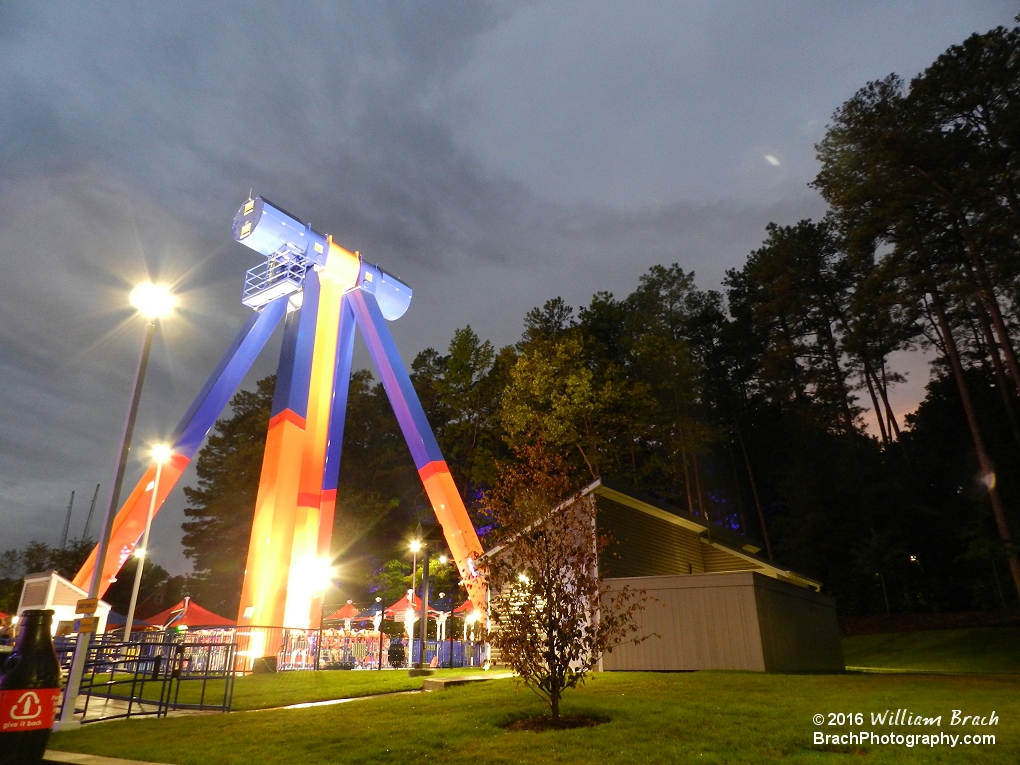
x=424, y=626
x=378, y=626
x=415, y=548
x=160, y=454
x=153, y=301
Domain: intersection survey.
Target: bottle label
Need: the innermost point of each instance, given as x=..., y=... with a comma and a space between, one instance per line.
x=28, y=709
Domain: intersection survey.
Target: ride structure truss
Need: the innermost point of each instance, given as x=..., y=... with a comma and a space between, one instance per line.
x=321, y=293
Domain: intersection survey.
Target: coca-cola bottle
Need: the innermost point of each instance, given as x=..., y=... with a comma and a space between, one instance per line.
x=29, y=692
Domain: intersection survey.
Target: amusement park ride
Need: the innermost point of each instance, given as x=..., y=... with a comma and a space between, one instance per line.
x=321, y=292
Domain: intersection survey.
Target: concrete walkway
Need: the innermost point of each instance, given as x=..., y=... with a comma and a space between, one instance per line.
x=89, y=759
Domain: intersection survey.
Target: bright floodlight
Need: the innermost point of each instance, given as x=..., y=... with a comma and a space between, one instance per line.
x=415, y=545
x=161, y=453
x=154, y=301
x=321, y=573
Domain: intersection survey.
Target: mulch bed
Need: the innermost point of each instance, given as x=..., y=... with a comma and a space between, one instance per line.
x=875, y=624
x=544, y=723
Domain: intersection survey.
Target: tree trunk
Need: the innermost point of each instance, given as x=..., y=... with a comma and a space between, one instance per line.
x=868, y=374
x=837, y=377
x=754, y=493
x=991, y=303
x=1008, y=401
x=687, y=474
x=739, y=493
x=883, y=389
x=985, y=463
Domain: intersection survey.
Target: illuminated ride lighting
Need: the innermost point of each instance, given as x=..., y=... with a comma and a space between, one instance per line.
x=154, y=301
x=322, y=294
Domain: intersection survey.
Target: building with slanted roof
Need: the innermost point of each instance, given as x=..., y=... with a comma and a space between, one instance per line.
x=652, y=538
x=715, y=603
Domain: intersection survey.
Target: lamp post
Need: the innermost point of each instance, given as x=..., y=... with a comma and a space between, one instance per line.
x=153, y=301
x=424, y=626
x=378, y=625
x=415, y=548
x=160, y=454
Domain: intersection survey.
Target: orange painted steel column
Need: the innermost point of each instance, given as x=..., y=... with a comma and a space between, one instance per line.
x=457, y=527
x=129, y=523
x=267, y=571
x=272, y=534
x=305, y=588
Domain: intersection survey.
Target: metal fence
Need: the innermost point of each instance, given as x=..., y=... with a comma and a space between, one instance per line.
x=152, y=676
x=283, y=649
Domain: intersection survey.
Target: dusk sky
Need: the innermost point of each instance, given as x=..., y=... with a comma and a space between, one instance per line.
x=492, y=155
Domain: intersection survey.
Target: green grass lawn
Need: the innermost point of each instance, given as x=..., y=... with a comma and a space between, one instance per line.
x=987, y=649
x=704, y=717
x=283, y=688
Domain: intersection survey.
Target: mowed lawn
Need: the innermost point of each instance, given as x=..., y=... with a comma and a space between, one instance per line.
x=703, y=717
x=986, y=649
x=284, y=688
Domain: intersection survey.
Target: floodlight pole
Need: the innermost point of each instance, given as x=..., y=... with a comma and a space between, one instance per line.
x=81, y=645
x=379, y=601
x=145, y=551
x=423, y=627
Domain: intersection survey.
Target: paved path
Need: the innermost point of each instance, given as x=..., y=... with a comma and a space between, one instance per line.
x=75, y=758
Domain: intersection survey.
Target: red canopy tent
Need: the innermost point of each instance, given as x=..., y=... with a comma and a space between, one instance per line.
x=347, y=611
x=464, y=608
x=193, y=616
x=396, y=611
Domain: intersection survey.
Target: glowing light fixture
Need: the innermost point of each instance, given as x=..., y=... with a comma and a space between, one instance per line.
x=161, y=453
x=154, y=301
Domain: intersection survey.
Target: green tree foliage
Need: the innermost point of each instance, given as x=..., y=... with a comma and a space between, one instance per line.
x=926, y=175
x=36, y=557
x=552, y=616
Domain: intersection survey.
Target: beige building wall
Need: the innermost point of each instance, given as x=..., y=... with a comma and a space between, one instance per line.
x=735, y=620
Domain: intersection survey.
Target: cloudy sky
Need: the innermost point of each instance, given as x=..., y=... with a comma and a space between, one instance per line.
x=491, y=154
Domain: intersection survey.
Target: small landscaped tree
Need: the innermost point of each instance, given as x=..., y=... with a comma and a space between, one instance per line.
x=552, y=615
